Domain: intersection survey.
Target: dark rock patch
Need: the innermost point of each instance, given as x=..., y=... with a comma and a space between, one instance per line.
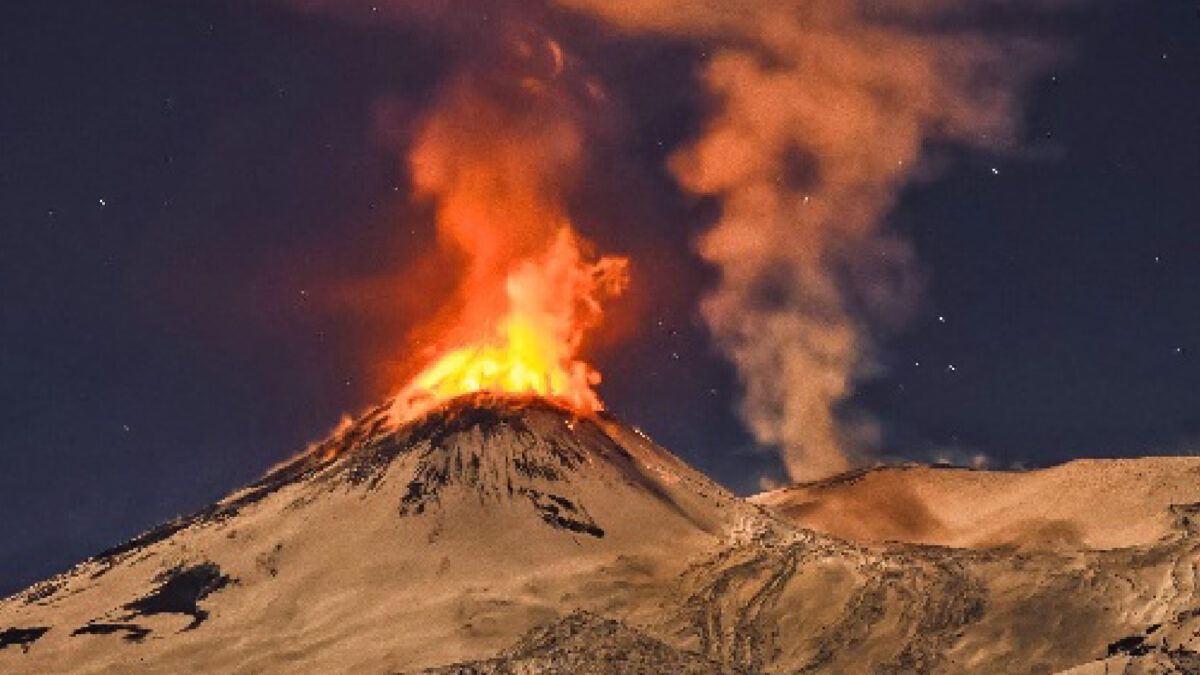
x=180, y=589
x=1185, y=660
x=43, y=590
x=440, y=462
x=133, y=632
x=22, y=637
x=1187, y=517
x=1134, y=645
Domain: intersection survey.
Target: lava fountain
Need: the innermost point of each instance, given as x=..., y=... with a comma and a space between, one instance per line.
x=497, y=158
x=532, y=345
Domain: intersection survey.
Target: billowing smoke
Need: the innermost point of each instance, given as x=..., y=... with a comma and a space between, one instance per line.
x=821, y=111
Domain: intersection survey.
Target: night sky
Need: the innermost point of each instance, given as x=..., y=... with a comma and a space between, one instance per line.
x=190, y=191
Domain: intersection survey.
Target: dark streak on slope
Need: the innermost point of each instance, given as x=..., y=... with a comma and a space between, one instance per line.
x=562, y=513
x=133, y=632
x=440, y=462
x=368, y=461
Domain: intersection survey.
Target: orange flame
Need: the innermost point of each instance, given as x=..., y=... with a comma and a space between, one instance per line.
x=497, y=157
x=533, y=347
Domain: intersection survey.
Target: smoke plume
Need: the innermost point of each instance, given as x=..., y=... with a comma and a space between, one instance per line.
x=821, y=111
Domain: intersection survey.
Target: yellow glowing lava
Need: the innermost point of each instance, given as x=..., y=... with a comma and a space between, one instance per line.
x=552, y=300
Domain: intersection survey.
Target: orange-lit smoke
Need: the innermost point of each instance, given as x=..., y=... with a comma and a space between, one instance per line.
x=496, y=157
x=825, y=108
x=531, y=343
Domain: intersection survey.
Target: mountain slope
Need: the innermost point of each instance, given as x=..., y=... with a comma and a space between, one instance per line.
x=1083, y=503
x=441, y=540
x=506, y=535
x=585, y=644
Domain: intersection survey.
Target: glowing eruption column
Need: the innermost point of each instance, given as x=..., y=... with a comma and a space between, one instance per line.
x=533, y=347
x=497, y=156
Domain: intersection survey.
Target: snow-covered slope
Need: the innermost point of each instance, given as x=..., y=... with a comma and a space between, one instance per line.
x=387, y=549
x=1083, y=503
x=505, y=535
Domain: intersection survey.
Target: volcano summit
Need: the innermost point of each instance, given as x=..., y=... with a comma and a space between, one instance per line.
x=499, y=534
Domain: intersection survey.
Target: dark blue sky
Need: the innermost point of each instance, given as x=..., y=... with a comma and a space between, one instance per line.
x=182, y=183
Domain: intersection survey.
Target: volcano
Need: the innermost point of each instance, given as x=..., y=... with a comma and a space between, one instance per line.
x=445, y=537
x=503, y=534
